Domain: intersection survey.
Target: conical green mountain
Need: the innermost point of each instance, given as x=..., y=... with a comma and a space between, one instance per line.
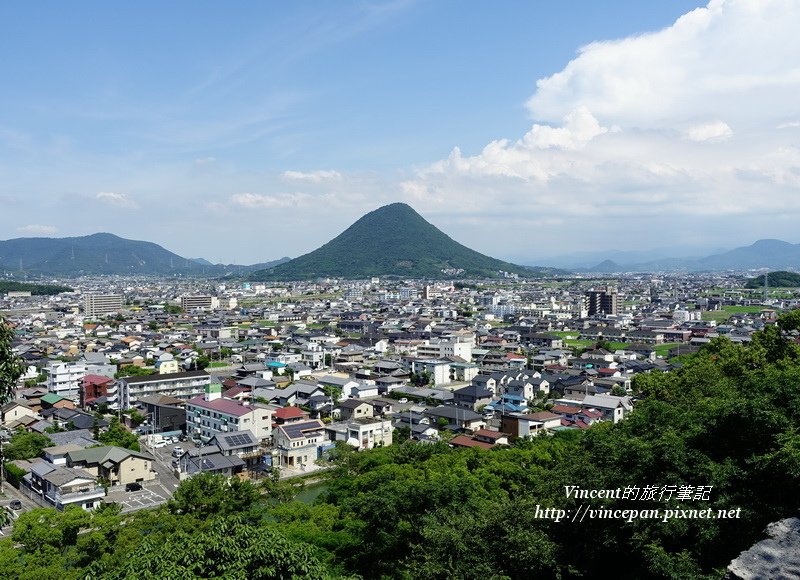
x=393, y=240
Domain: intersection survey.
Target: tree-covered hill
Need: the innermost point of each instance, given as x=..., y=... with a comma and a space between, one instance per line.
x=718, y=435
x=780, y=279
x=393, y=240
x=105, y=253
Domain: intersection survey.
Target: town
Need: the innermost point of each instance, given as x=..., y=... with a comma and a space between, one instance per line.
x=134, y=384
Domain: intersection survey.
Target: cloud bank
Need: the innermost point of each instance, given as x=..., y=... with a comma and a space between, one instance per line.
x=695, y=122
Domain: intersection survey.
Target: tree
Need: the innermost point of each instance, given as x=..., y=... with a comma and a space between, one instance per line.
x=119, y=437
x=132, y=371
x=11, y=366
x=228, y=547
x=26, y=445
x=207, y=494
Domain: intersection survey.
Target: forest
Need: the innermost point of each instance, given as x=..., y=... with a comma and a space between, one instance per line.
x=725, y=420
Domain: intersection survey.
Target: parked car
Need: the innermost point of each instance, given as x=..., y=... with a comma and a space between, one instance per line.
x=159, y=444
x=133, y=486
x=15, y=504
x=177, y=451
x=403, y=400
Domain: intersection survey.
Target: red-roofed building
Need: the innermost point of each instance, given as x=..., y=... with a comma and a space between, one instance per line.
x=286, y=415
x=465, y=441
x=94, y=387
x=210, y=414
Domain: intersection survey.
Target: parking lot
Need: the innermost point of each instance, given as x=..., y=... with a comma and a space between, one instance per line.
x=135, y=500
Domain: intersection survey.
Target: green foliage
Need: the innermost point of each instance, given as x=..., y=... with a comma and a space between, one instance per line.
x=11, y=366
x=136, y=418
x=34, y=289
x=24, y=445
x=117, y=436
x=789, y=321
x=132, y=371
x=391, y=240
x=206, y=494
x=780, y=279
x=226, y=548
x=14, y=474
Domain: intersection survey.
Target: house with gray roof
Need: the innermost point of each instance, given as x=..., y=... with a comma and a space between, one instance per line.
x=117, y=465
x=298, y=443
x=63, y=486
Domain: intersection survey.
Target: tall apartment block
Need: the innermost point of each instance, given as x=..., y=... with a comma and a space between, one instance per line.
x=603, y=301
x=101, y=304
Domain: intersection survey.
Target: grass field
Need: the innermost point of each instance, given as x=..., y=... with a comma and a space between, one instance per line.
x=663, y=349
x=728, y=311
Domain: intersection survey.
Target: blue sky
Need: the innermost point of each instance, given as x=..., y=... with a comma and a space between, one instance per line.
x=252, y=130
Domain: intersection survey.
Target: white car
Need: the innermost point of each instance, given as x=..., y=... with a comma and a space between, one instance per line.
x=177, y=451
x=403, y=400
x=159, y=444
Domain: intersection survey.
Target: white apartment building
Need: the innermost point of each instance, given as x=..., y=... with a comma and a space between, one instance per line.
x=189, y=303
x=210, y=414
x=363, y=432
x=180, y=385
x=101, y=304
x=65, y=379
x=441, y=348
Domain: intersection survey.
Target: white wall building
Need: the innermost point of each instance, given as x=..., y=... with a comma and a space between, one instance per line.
x=65, y=379
x=211, y=413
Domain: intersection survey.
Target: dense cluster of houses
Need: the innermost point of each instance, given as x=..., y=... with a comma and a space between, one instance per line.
x=279, y=383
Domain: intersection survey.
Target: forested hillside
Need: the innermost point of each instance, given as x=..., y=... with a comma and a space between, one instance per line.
x=727, y=419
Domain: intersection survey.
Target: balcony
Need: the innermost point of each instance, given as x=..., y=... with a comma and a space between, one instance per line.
x=77, y=496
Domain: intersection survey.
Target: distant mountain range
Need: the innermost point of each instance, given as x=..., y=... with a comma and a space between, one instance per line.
x=394, y=240
x=774, y=254
x=105, y=253
x=391, y=241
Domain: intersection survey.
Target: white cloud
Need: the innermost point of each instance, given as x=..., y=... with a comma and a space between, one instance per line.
x=319, y=176
x=622, y=133
x=204, y=161
x=257, y=200
x=116, y=199
x=714, y=131
x=37, y=230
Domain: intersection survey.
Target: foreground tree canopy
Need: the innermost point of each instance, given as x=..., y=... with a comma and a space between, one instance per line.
x=727, y=419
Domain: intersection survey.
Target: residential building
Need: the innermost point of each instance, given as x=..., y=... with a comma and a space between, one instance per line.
x=189, y=303
x=179, y=385
x=64, y=486
x=117, y=465
x=529, y=425
x=95, y=305
x=210, y=414
x=362, y=433
x=97, y=390
x=164, y=414
x=603, y=301
x=298, y=443
x=65, y=379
